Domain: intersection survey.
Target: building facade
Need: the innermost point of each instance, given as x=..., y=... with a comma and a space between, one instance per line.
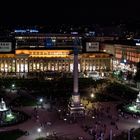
x=125, y=57
x=42, y=53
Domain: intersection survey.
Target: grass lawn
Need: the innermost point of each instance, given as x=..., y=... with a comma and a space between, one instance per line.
x=24, y=101
x=27, y=101
x=11, y=135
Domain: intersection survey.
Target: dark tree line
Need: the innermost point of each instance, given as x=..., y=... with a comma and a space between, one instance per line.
x=137, y=76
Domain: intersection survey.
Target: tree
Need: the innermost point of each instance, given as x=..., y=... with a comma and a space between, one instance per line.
x=120, y=75
x=137, y=76
x=129, y=76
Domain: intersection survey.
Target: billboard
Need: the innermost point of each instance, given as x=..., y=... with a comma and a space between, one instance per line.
x=92, y=46
x=6, y=47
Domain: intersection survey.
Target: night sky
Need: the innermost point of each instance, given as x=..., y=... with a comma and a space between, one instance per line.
x=39, y=12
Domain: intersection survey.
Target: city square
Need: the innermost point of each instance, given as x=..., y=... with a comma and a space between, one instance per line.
x=69, y=70
x=50, y=118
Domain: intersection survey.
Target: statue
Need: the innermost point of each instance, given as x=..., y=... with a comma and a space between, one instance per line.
x=2, y=105
x=138, y=101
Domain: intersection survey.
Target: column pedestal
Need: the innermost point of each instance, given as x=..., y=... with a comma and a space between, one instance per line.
x=75, y=107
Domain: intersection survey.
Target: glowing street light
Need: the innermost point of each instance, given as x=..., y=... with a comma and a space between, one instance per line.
x=139, y=121
x=13, y=85
x=67, y=114
x=92, y=95
x=41, y=100
x=65, y=120
x=47, y=134
x=124, y=60
x=39, y=131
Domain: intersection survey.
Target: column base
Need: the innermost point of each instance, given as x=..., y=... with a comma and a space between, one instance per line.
x=76, y=110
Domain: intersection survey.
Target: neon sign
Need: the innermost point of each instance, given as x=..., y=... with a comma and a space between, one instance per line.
x=26, y=31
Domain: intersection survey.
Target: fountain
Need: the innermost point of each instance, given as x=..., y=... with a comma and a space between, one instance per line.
x=134, y=107
x=8, y=116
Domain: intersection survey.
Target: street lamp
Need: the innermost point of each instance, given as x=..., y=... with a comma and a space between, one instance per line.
x=39, y=131
x=124, y=61
x=92, y=95
x=65, y=120
x=13, y=85
x=139, y=122
x=47, y=134
x=41, y=100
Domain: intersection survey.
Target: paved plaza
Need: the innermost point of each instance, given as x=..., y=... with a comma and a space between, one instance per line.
x=102, y=120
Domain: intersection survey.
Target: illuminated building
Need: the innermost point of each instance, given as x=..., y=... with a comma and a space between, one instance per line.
x=127, y=52
x=124, y=56
x=36, y=52
x=130, y=53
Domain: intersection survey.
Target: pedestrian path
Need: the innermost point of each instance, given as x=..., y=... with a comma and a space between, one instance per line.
x=101, y=122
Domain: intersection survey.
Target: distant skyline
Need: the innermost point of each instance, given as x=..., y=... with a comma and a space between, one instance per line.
x=39, y=12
